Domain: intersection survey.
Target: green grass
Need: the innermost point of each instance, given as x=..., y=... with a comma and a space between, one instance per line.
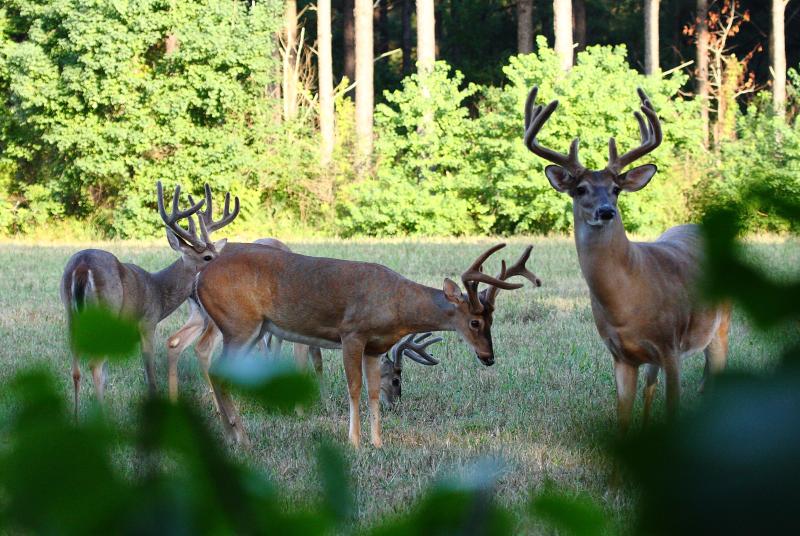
x=544, y=408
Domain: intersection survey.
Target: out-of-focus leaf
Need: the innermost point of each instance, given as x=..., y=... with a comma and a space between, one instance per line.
x=335, y=475
x=575, y=515
x=97, y=332
x=272, y=384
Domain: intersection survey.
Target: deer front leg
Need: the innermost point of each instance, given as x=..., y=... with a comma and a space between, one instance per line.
x=176, y=344
x=372, y=369
x=626, y=377
x=204, y=350
x=300, y=355
x=672, y=376
x=352, y=353
x=650, y=385
x=316, y=357
x=147, y=337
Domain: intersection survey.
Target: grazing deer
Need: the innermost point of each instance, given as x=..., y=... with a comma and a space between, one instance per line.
x=198, y=328
x=97, y=277
x=413, y=346
x=642, y=293
x=362, y=308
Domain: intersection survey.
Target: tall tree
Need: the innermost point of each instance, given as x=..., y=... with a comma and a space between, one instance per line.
x=579, y=24
x=290, y=74
x=524, y=26
x=651, y=61
x=777, y=56
x=326, y=112
x=349, y=34
x=702, y=64
x=406, y=42
x=426, y=35
x=562, y=25
x=364, y=83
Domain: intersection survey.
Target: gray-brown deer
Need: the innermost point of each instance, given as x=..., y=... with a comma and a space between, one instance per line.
x=97, y=277
x=413, y=346
x=642, y=293
x=362, y=308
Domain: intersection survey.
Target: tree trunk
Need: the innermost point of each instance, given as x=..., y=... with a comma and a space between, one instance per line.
x=406, y=42
x=651, y=61
x=364, y=84
x=290, y=59
x=702, y=64
x=777, y=56
x=426, y=36
x=524, y=26
x=349, y=34
x=326, y=113
x=562, y=26
x=579, y=24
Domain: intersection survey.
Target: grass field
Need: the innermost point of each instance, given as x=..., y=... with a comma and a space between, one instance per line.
x=543, y=409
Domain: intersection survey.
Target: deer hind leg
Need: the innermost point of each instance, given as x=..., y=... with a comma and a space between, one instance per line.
x=99, y=375
x=372, y=371
x=626, y=377
x=76, y=382
x=672, y=374
x=316, y=358
x=650, y=386
x=716, y=352
x=301, y=355
x=147, y=336
x=204, y=350
x=352, y=353
x=177, y=343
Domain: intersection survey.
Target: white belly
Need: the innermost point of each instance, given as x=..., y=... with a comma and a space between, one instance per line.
x=302, y=339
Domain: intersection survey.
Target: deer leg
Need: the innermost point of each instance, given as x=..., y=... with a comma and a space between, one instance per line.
x=626, y=377
x=76, y=382
x=716, y=352
x=372, y=371
x=176, y=344
x=316, y=357
x=147, y=336
x=274, y=346
x=301, y=356
x=204, y=350
x=672, y=374
x=99, y=378
x=650, y=386
x=352, y=352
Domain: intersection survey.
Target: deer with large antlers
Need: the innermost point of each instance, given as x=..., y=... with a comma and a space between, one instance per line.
x=642, y=293
x=98, y=278
x=362, y=308
x=414, y=347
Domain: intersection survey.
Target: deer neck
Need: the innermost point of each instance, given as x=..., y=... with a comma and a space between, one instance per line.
x=604, y=254
x=175, y=285
x=426, y=309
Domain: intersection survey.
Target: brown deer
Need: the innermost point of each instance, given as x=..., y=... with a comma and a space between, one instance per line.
x=362, y=308
x=414, y=346
x=97, y=277
x=642, y=293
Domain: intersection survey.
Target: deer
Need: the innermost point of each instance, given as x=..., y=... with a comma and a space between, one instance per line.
x=96, y=277
x=414, y=346
x=643, y=294
x=358, y=307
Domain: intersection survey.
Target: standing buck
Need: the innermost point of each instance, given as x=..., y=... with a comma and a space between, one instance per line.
x=362, y=308
x=97, y=277
x=642, y=293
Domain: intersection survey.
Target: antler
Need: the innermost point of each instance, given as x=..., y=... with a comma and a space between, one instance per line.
x=415, y=349
x=171, y=221
x=535, y=117
x=206, y=217
x=650, y=133
x=475, y=275
x=518, y=268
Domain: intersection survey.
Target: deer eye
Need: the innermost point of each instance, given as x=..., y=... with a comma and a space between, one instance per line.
x=580, y=190
x=474, y=324
x=396, y=382
x=207, y=258
x=616, y=190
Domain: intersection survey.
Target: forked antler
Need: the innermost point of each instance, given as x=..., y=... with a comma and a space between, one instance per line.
x=171, y=221
x=474, y=275
x=650, y=133
x=414, y=346
x=206, y=217
x=518, y=268
x=535, y=117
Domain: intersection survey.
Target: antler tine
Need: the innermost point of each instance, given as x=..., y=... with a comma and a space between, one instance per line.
x=416, y=349
x=396, y=353
x=518, y=268
x=171, y=220
x=473, y=275
x=650, y=132
x=535, y=117
x=227, y=215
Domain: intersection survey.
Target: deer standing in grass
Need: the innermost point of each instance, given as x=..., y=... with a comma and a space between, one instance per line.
x=362, y=308
x=97, y=277
x=413, y=346
x=642, y=293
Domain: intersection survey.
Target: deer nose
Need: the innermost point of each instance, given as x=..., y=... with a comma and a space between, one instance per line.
x=606, y=212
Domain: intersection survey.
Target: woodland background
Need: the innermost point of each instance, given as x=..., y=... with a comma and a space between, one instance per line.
x=395, y=117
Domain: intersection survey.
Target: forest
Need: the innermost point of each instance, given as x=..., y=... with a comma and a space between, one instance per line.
x=387, y=118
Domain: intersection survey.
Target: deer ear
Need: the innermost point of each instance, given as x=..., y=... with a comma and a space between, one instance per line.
x=559, y=178
x=175, y=242
x=452, y=292
x=637, y=178
x=219, y=244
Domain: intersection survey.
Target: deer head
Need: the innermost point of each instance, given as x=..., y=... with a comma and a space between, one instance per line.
x=413, y=346
x=472, y=316
x=594, y=193
x=196, y=250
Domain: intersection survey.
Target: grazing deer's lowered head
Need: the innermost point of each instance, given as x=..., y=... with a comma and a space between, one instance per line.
x=414, y=346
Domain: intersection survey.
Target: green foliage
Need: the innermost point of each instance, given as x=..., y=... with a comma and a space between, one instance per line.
x=95, y=332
